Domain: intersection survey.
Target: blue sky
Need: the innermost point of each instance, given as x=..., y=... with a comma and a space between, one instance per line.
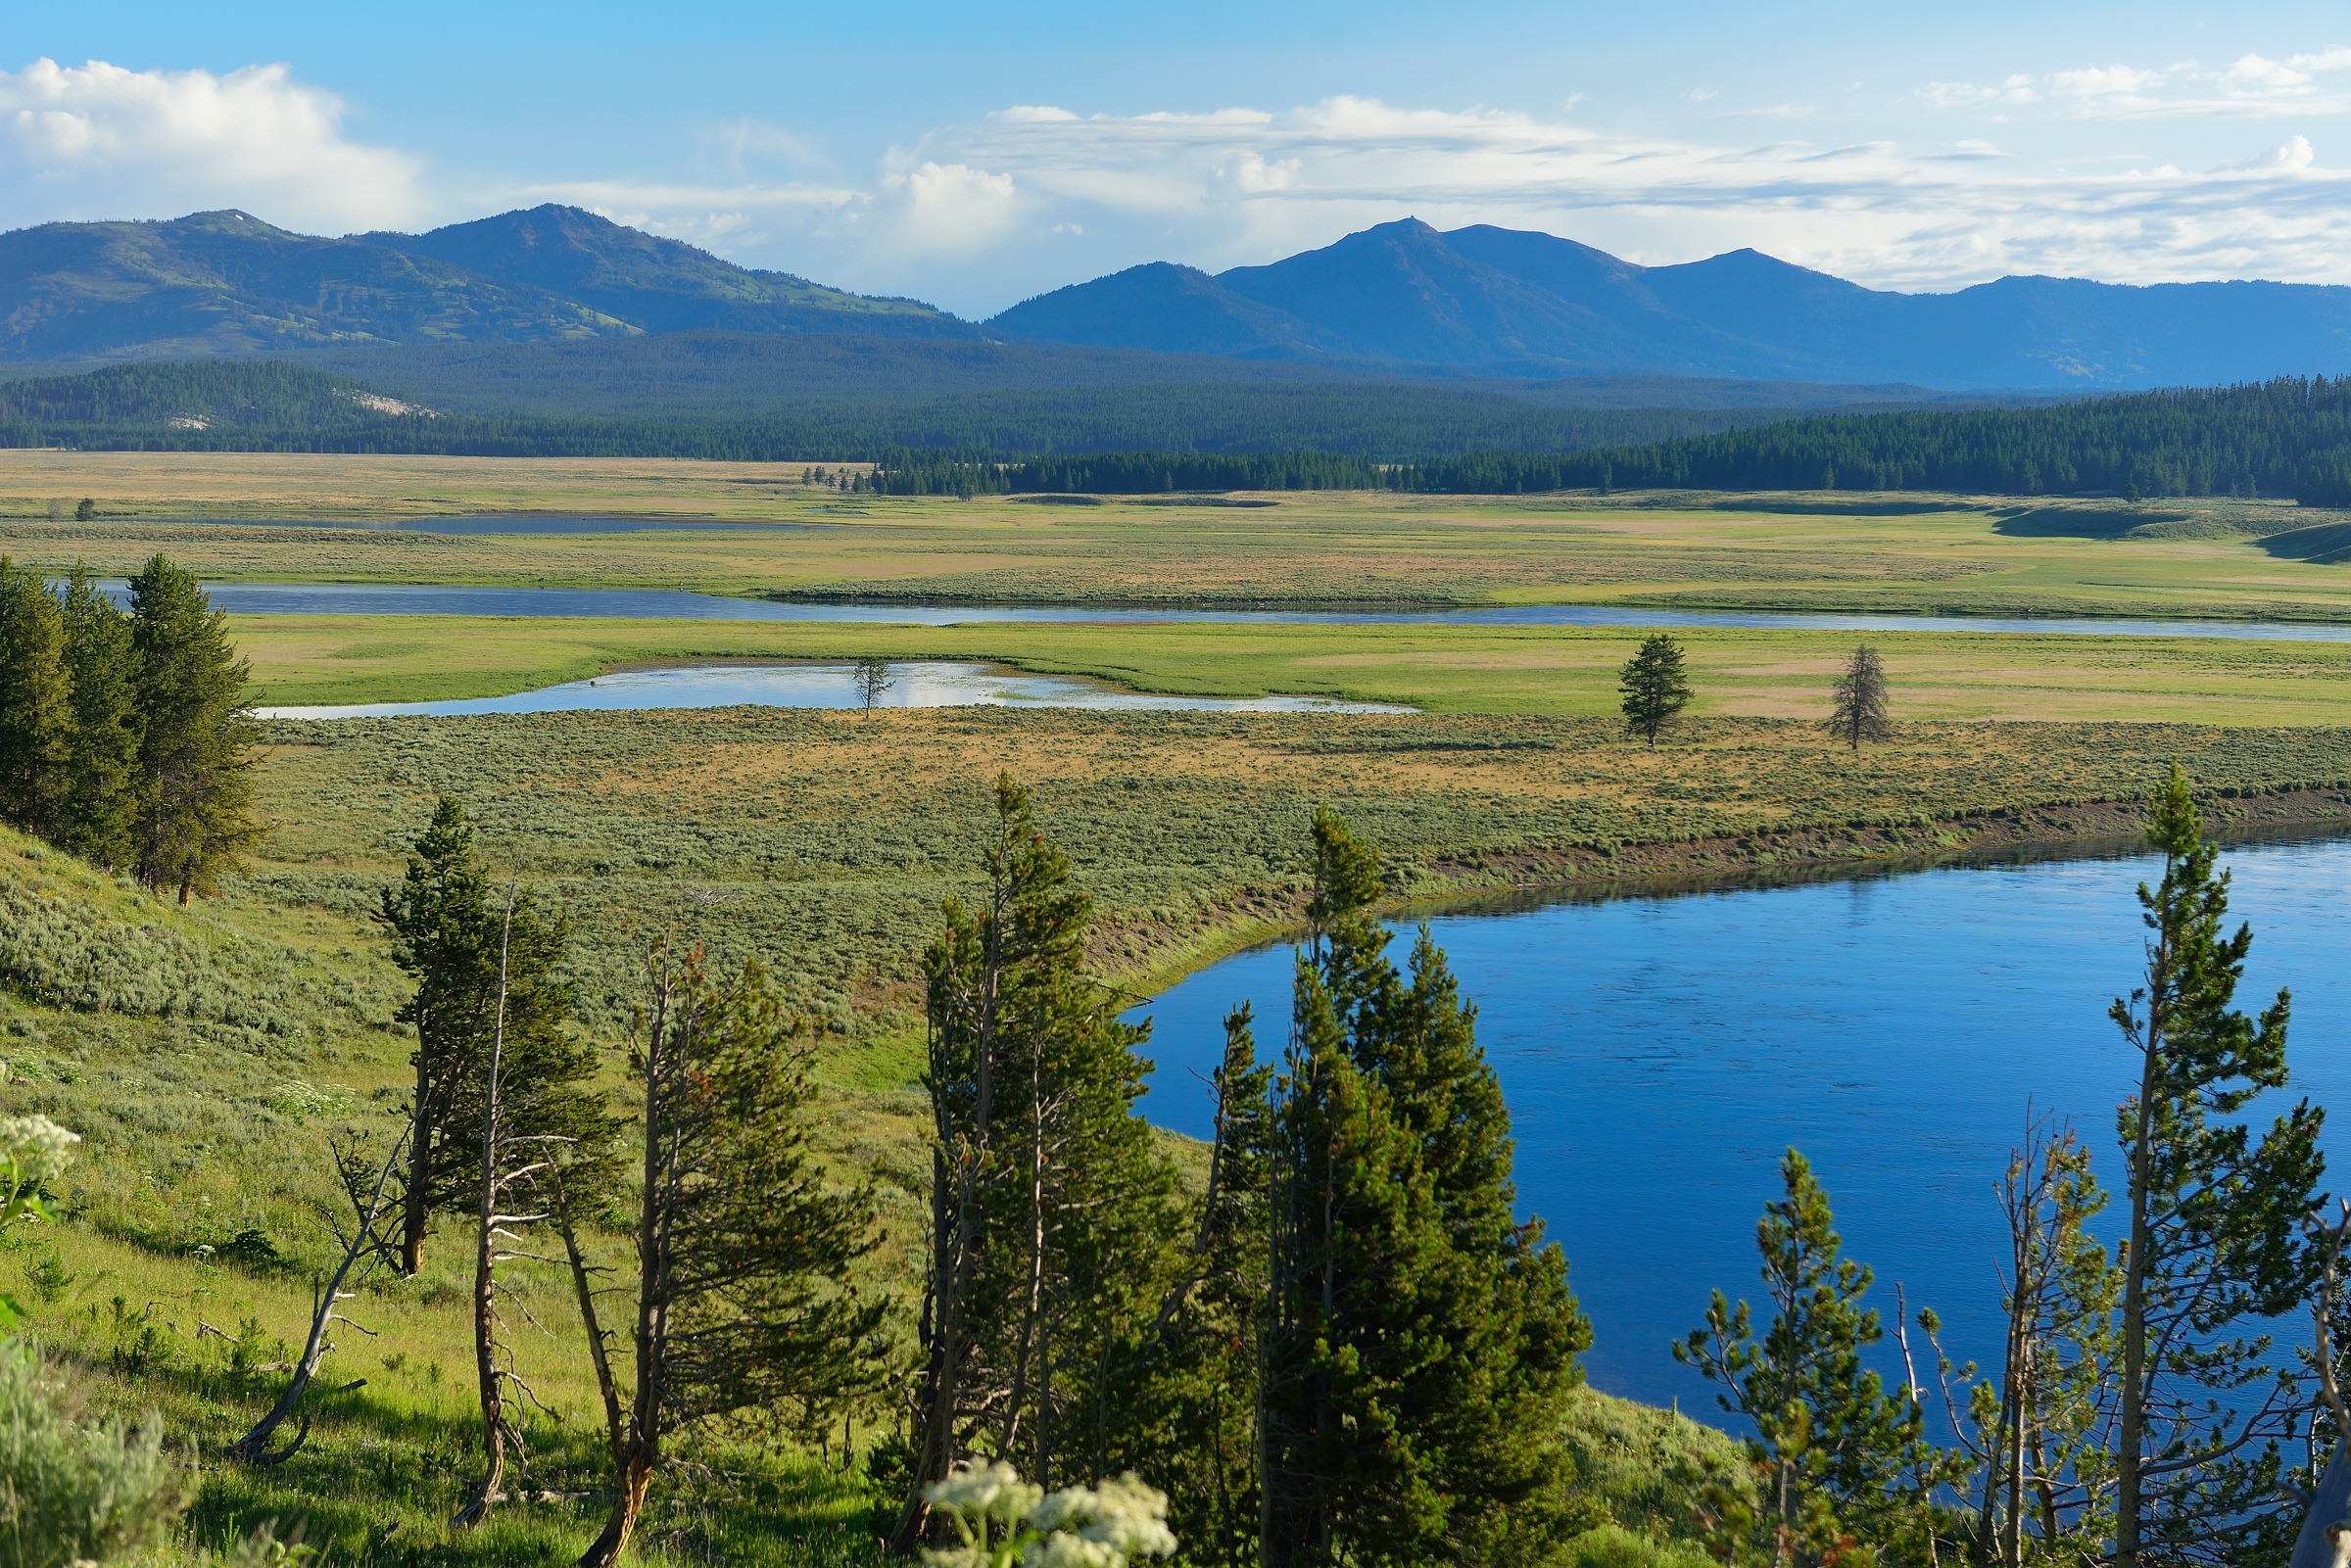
x=973, y=154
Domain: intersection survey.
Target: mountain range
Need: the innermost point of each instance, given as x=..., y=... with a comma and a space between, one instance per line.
x=1518, y=302
x=228, y=283
x=1397, y=302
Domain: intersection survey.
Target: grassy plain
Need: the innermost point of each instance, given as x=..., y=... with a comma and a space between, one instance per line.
x=1754, y=673
x=1947, y=555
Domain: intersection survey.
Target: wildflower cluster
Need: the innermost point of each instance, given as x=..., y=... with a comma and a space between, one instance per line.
x=32, y=1148
x=1003, y=1520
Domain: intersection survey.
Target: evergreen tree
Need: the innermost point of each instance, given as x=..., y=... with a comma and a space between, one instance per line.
x=1419, y=1342
x=1840, y=1462
x=743, y=1249
x=36, y=713
x=1654, y=686
x=446, y=934
x=2213, y=1229
x=1861, y=691
x=103, y=767
x=1185, y=1407
x=196, y=739
x=1053, y=1220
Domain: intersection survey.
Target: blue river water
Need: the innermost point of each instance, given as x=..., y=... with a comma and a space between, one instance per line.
x=642, y=604
x=1661, y=1052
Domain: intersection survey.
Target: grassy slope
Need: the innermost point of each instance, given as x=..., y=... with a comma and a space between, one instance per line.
x=213, y=1058
x=2193, y=558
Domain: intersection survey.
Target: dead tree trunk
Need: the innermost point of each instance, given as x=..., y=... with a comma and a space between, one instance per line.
x=495, y=1427
x=254, y=1446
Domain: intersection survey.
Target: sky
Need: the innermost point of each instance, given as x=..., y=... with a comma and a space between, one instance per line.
x=973, y=154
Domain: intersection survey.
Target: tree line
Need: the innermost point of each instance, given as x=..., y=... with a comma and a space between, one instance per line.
x=123, y=736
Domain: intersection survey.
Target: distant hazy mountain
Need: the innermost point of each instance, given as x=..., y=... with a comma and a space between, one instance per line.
x=228, y=283
x=1483, y=297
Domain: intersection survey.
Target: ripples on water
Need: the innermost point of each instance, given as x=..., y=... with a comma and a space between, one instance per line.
x=925, y=683
x=1661, y=1052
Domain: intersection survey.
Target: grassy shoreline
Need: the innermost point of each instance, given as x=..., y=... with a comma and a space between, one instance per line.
x=1563, y=671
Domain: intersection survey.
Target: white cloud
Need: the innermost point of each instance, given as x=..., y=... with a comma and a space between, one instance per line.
x=949, y=209
x=2252, y=86
x=1240, y=186
x=99, y=141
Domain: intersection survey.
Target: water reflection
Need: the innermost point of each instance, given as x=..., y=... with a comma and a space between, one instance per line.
x=919, y=684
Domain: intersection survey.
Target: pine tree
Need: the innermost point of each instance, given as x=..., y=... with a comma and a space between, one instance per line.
x=1053, y=1221
x=1654, y=685
x=102, y=799
x=1419, y=1342
x=1184, y=1404
x=195, y=737
x=447, y=934
x=1839, y=1458
x=1861, y=691
x=743, y=1249
x=2213, y=1228
x=36, y=713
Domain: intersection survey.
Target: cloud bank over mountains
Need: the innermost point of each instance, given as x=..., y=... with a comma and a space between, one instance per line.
x=1952, y=182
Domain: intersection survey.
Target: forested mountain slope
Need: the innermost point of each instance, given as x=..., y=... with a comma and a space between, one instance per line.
x=245, y=405
x=228, y=283
x=1402, y=292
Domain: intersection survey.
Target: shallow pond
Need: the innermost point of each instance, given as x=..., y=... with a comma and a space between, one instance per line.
x=1661, y=1052
x=639, y=603
x=917, y=683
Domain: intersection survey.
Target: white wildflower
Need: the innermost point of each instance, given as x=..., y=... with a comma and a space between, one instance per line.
x=37, y=1146
x=1123, y=1518
x=985, y=1489
x=1058, y=1550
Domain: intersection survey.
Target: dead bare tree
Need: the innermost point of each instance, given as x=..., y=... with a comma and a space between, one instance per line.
x=2041, y=1428
x=498, y=1234
x=2324, y=1541
x=362, y=1246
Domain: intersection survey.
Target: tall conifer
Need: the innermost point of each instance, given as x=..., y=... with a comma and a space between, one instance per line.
x=1183, y=1406
x=1420, y=1343
x=2213, y=1218
x=1052, y=1215
x=36, y=715
x=446, y=934
x=102, y=766
x=196, y=739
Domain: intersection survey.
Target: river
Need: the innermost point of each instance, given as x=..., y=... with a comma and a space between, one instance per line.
x=652, y=603
x=1660, y=1053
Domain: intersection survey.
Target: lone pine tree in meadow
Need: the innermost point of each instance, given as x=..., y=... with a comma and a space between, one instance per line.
x=1654, y=686
x=1860, y=712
